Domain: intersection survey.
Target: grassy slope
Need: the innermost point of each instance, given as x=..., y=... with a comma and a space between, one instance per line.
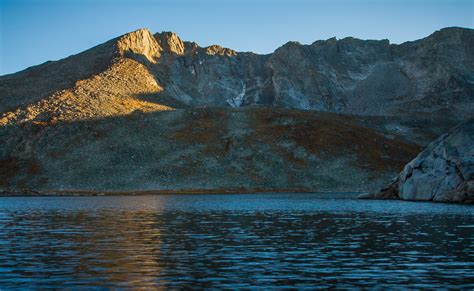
x=249, y=148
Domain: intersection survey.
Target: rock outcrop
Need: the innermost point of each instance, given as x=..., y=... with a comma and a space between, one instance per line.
x=140, y=43
x=443, y=172
x=170, y=42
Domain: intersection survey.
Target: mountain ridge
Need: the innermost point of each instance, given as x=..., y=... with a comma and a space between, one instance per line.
x=451, y=28
x=365, y=77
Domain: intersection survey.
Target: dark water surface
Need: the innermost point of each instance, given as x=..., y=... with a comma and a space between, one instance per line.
x=248, y=240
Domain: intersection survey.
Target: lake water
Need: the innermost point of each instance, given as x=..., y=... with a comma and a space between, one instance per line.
x=248, y=240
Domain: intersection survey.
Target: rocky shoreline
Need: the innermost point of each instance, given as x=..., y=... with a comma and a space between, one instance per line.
x=443, y=172
x=71, y=192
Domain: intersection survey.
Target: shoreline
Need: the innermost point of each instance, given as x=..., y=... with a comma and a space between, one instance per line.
x=82, y=192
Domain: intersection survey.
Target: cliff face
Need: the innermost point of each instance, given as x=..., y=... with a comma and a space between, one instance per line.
x=443, y=172
x=432, y=75
x=130, y=113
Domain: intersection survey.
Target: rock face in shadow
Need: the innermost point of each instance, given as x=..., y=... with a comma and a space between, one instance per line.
x=443, y=172
x=367, y=77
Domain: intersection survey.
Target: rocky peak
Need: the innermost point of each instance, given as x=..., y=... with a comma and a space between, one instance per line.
x=219, y=50
x=140, y=42
x=290, y=45
x=170, y=42
x=329, y=41
x=191, y=47
x=450, y=32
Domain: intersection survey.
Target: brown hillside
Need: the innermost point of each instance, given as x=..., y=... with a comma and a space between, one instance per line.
x=202, y=149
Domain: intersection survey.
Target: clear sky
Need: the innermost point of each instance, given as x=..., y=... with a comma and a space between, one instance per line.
x=34, y=31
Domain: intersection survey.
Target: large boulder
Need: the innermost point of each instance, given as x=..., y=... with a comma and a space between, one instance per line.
x=443, y=172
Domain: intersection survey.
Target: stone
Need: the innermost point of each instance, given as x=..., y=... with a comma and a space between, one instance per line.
x=443, y=172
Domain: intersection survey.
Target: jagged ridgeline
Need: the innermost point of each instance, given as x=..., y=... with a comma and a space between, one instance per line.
x=146, y=111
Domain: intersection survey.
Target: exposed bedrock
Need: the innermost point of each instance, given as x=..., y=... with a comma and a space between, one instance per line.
x=443, y=172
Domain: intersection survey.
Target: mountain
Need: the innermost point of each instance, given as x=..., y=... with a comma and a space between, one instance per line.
x=430, y=76
x=154, y=112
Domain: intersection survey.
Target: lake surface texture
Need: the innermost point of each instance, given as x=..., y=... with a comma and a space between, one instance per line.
x=233, y=241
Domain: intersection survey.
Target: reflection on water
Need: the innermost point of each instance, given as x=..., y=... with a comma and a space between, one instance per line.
x=264, y=240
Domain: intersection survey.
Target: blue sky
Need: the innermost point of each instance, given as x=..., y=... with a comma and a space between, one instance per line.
x=34, y=31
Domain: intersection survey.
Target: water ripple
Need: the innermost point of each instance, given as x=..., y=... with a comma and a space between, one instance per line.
x=234, y=241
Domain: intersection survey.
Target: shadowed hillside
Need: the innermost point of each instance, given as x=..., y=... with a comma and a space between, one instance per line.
x=196, y=149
